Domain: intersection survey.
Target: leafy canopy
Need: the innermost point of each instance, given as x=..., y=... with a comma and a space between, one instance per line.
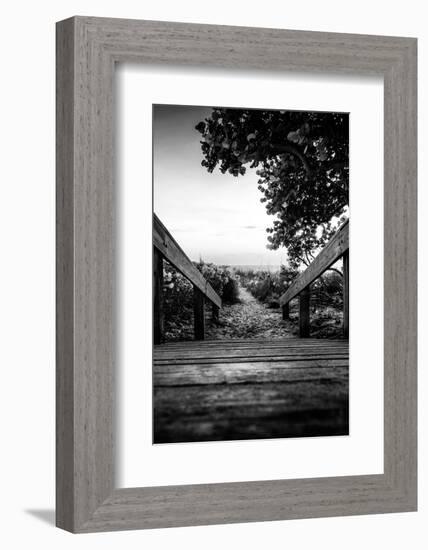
x=302, y=164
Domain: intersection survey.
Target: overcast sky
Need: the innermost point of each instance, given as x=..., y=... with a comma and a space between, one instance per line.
x=216, y=217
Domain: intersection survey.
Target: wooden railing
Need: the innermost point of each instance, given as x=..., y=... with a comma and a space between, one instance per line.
x=336, y=248
x=165, y=247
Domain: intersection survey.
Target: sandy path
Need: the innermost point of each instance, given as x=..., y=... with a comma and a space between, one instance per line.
x=249, y=319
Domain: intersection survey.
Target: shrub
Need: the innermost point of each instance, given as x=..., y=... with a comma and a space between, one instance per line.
x=178, y=297
x=327, y=292
x=326, y=297
x=267, y=286
x=230, y=294
x=222, y=280
x=178, y=305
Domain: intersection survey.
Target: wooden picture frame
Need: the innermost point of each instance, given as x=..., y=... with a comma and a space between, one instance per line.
x=87, y=50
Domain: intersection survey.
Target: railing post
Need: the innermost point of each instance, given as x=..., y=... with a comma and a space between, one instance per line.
x=304, y=315
x=346, y=294
x=199, y=313
x=286, y=311
x=215, y=311
x=158, y=316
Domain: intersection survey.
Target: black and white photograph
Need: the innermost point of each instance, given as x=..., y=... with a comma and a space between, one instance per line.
x=250, y=273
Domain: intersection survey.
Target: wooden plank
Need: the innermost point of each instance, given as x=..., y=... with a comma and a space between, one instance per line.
x=65, y=276
x=214, y=312
x=254, y=341
x=346, y=294
x=208, y=350
x=280, y=342
x=304, y=312
x=198, y=313
x=293, y=340
x=248, y=411
x=171, y=250
x=284, y=356
x=158, y=313
x=233, y=354
x=328, y=255
x=303, y=363
x=230, y=400
x=174, y=359
x=249, y=355
x=209, y=362
x=249, y=389
x=253, y=352
x=250, y=373
x=181, y=380
x=272, y=350
x=246, y=351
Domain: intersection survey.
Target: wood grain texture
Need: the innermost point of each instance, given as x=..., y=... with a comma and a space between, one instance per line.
x=65, y=278
x=239, y=394
x=304, y=312
x=87, y=49
x=198, y=313
x=250, y=400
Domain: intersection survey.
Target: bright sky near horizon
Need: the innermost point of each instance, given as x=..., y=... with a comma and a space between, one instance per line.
x=216, y=216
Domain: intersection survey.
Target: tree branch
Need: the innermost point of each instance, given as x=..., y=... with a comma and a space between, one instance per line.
x=293, y=150
x=301, y=260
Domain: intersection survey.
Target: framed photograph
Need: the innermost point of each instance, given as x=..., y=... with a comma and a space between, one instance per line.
x=236, y=274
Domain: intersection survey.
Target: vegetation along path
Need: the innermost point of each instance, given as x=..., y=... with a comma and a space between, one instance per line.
x=249, y=319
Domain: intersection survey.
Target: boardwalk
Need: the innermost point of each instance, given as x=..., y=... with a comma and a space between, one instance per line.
x=244, y=389
x=269, y=386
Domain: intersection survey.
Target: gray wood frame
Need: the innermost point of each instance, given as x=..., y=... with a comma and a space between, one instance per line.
x=87, y=50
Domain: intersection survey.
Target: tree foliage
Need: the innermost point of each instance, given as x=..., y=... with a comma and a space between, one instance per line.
x=178, y=296
x=222, y=280
x=302, y=163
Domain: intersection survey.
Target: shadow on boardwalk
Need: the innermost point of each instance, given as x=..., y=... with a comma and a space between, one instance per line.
x=251, y=378
x=249, y=319
x=250, y=389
